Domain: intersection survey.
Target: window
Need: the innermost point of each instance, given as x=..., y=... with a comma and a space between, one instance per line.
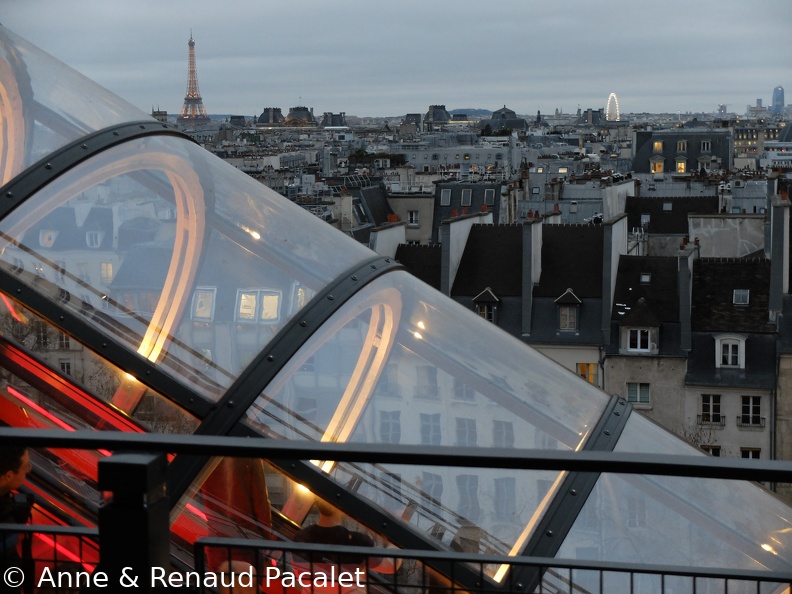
x=486, y=311
x=502, y=434
x=47, y=238
x=729, y=353
x=432, y=487
x=42, y=334
x=638, y=392
x=741, y=296
x=388, y=384
x=65, y=366
x=646, y=278
x=645, y=219
x=426, y=387
x=445, y=197
x=682, y=146
x=657, y=166
x=462, y=391
x=681, y=166
x=712, y=450
x=430, y=429
x=750, y=453
x=751, y=412
x=588, y=371
x=710, y=410
x=638, y=339
x=706, y=146
x=390, y=426
x=412, y=217
x=258, y=305
x=489, y=197
x=106, y=272
x=93, y=239
x=466, y=432
x=467, y=485
x=568, y=317
x=203, y=303
x=505, y=499
x=466, y=197
x=63, y=341
x=657, y=146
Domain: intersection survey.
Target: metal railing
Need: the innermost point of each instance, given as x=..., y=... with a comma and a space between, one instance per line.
x=445, y=572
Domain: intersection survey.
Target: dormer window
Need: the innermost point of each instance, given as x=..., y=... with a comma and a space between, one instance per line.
x=93, y=239
x=568, y=305
x=638, y=339
x=741, y=296
x=486, y=305
x=730, y=352
x=47, y=238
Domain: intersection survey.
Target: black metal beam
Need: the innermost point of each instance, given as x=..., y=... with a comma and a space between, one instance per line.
x=703, y=466
x=556, y=523
x=38, y=175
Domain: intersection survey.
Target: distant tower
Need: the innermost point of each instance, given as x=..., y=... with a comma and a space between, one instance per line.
x=612, y=109
x=778, y=100
x=193, y=111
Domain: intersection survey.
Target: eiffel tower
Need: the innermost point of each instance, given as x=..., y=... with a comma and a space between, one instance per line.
x=193, y=111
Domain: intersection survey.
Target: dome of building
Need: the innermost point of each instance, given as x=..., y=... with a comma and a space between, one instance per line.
x=271, y=116
x=300, y=116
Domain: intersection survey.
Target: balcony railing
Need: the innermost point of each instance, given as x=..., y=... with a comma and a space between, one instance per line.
x=750, y=422
x=711, y=420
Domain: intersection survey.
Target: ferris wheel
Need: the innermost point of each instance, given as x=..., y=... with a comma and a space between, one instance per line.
x=612, y=109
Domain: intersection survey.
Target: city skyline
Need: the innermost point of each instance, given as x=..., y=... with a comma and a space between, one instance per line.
x=403, y=57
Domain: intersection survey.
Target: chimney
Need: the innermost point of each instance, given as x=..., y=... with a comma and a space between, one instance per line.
x=779, y=255
x=531, y=269
x=685, y=287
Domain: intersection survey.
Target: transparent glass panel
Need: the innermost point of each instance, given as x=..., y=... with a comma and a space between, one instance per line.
x=74, y=384
x=187, y=261
x=395, y=365
x=676, y=520
x=45, y=105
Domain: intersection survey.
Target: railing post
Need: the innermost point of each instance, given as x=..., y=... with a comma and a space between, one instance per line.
x=134, y=531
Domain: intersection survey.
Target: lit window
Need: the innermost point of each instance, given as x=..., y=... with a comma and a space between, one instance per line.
x=47, y=238
x=106, y=272
x=710, y=410
x=412, y=217
x=638, y=339
x=563, y=170
x=638, y=392
x=258, y=305
x=568, y=317
x=741, y=296
x=246, y=305
x=269, y=306
x=466, y=197
x=588, y=371
x=657, y=166
x=486, y=311
x=681, y=166
x=445, y=197
x=657, y=146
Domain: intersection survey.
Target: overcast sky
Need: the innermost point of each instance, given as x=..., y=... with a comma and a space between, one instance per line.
x=377, y=57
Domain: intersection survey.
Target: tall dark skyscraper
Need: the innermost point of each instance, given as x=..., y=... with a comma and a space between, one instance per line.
x=778, y=100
